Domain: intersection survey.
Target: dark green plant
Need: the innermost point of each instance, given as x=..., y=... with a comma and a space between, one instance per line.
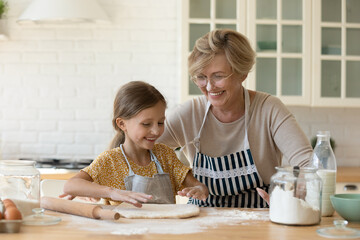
x=314, y=139
x=3, y=7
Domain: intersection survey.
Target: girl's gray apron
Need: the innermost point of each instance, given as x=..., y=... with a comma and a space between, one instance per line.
x=232, y=179
x=159, y=186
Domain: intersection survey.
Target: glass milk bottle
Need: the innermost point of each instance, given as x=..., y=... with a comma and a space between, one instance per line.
x=20, y=182
x=324, y=160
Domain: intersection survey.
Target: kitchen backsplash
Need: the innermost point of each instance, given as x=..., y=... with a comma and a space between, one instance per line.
x=57, y=83
x=343, y=124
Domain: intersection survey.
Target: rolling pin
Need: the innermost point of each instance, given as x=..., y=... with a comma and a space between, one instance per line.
x=78, y=208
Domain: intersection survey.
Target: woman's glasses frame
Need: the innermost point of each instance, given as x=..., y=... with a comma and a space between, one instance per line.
x=216, y=79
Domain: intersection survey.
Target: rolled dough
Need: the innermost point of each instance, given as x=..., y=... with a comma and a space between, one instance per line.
x=158, y=210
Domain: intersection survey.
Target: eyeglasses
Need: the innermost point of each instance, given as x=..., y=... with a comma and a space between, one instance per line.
x=217, y=79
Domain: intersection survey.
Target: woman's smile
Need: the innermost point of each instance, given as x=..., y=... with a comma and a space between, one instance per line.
x=216, y=93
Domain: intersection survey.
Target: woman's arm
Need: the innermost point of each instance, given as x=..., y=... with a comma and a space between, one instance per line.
x=83, y=185
x=290, y=138
x=194, y=188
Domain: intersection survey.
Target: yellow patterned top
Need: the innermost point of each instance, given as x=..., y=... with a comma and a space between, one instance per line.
x=110, y=168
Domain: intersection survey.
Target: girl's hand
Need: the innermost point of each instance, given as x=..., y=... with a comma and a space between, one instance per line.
x=67, y=196
x=199, y=192
x=133, y=198
x=86, y=199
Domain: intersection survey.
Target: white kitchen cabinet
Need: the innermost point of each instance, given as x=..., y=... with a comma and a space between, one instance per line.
x=280, y=30
x=336, y=53
x=307, y=51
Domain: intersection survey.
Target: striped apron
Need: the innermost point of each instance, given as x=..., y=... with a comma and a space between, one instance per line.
x=232, y=179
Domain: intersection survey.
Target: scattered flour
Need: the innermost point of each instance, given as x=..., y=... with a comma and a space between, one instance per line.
x=131, y=231
x=208, y=218
x=287, y=209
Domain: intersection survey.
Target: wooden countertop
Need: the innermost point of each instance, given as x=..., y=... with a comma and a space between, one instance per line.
x=72, y=228
x=60, y=174
x=348, y=174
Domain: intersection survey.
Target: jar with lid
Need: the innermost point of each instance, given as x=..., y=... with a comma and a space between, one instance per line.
x=295, y=196
x=20, y=182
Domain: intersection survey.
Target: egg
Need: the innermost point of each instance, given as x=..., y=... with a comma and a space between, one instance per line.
x=12, y=213
x=8, y=203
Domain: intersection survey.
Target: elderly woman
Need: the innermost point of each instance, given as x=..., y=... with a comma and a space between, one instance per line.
x=233, y=137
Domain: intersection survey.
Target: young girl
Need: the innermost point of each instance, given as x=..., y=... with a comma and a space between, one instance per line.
x=136, y=169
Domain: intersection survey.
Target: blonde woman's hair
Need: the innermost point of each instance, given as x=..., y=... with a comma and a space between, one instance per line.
x=234, y=45
x=131, y=99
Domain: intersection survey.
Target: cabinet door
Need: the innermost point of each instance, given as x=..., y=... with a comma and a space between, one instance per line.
x=200, y=17
x=280, y=33
x=336, y=52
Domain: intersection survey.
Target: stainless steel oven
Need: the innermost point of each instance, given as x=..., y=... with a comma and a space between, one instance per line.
x=60, y=163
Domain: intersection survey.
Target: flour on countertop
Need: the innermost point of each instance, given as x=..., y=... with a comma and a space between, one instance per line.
x=131, y=231
x=240, y=214
x=208, y=218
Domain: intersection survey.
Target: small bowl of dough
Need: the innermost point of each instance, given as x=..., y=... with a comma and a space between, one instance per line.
x=347, y=206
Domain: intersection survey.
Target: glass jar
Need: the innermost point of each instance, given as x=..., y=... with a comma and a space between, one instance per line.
x=295, y=196
x=20, y=182
x=323, y=159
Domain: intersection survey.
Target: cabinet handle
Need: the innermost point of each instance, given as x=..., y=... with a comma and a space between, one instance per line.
x=350, y=187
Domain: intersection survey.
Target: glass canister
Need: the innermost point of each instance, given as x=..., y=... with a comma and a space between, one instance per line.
x=295, y=196
x=20, y=182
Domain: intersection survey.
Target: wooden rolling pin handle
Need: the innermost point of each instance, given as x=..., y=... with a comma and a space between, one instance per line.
x=106, y=214
x=77, y=208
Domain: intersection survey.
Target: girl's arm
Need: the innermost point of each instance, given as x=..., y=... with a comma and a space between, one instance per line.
x=83, y=185
x=194, y=188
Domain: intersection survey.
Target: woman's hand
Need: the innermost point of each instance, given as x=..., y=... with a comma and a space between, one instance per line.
x=264, y=195
x=199, y=192
x=133, y=198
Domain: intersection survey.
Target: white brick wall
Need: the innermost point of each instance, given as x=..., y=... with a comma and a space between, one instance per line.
x=57, y=83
